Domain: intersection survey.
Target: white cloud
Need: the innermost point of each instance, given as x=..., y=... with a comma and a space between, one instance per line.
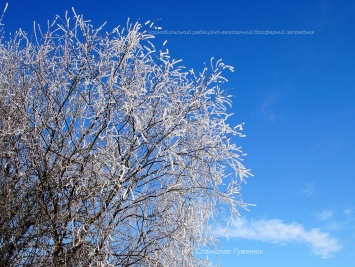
x=275, y=231
x=267, y=107
x=308, y=190
x=325, y=215
x=335, y=226
x=348, y=211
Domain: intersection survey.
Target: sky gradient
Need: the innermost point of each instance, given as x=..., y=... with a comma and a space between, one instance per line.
x=296, y=95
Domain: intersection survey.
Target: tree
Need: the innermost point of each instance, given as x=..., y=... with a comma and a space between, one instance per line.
x=111, y=154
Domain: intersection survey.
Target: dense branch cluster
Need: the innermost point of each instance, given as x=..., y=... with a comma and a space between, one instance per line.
x=111, y=155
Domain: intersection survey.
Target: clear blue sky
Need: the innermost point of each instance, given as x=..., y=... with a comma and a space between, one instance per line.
x=296, y=94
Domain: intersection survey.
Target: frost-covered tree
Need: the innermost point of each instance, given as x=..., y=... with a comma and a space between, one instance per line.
x=111, y=154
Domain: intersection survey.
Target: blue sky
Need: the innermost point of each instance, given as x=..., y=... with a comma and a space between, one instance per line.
x=296, y=95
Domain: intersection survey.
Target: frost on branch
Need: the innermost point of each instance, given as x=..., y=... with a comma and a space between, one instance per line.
x=111, y=154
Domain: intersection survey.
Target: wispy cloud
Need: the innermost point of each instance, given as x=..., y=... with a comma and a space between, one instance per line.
x=348, y=211
x=276, y=231
x=336, y=221
x=325, y=215
x=267, y=107
x=308, y=190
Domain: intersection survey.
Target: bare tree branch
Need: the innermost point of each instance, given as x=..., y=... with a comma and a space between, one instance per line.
x=111, y=154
